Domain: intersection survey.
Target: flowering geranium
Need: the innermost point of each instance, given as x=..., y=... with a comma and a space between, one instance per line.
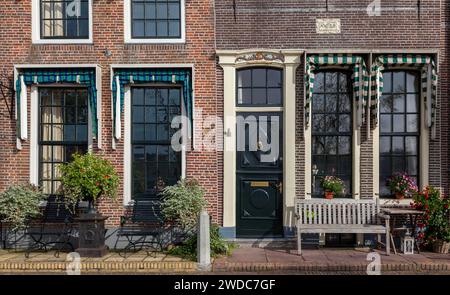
x=333, y=184
x=403, y=184
x=434, y=223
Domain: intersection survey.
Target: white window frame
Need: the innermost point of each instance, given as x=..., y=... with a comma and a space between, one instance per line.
x=36, y=28
x=127, y=151
x=127, y=28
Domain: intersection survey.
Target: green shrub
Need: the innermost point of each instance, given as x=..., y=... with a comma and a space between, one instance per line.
x=218, y=246
x=19, y=203
x=87, y=178
x=183, y=202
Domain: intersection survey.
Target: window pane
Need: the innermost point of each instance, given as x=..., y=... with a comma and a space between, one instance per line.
x=319, y=84
x=411, y=145
x=343, y=83
x=163, y=132
x=344, y=145
x=244, y=78
x=397, y=144
x=174, y=28
x=399, y=103
x=318, y=145
x=412, y=165
x=259, y=96
x=138, y=10
x=331, y=82
x=274, y=96
x=412, y=103
x=273, y=78
x=318, y=103
x=399, y=123
x=150, y=10
x=150, y=114
x=387, y=82
x=163, y=116
x=174, y=10
x=386, y=102
x=138, y=132
x=385, y=165
x=412, y=123
x=385, y=144
x=138, y=28
x=69, y=132
x=331, y=123
x=385, y=123
x=344, y=103
x=150, y=96
x=82, y=133
x=138, y=153
x=344, y=123
x=150, y=132
x=150, y=28
x=161, y=10
x=163, y=97
x=331, y=103
x=412, y=82
x=244, y=96
x=398, y=164
x=259, y=78
x=331, y=145
x=162, y=28
x=138, y=114
x=150, y=153
x=399, y=82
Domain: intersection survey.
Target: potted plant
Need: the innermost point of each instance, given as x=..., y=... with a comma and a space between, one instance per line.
x=435, y=223
x=19, y=203
x=88, y=178
x=332, y=185
x=402, y=185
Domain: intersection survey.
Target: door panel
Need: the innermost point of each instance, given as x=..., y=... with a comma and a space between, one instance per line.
x=259, y=177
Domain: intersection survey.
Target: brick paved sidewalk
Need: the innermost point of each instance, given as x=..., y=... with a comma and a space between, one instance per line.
x=11, y=262
x=250, y=259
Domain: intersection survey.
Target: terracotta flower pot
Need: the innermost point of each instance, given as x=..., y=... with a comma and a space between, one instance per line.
x=440, y=246
x=399, y=196
x=329, y=195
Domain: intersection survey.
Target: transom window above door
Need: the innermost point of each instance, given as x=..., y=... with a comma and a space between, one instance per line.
x=157, y=20
x=259, y=87
x=399, y=126
x=62, y=20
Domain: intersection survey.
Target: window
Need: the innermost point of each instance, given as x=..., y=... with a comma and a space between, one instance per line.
x=63, y=131
x=154, y=21
x=259, y=87
x=331, y=129
x=61, y=21
x=154, y=163
x=399, y=126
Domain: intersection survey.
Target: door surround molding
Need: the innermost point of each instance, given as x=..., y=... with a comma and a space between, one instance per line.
x=230, y=60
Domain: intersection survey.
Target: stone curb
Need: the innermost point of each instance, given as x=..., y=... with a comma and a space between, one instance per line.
x=170, y=267
x=261, y=267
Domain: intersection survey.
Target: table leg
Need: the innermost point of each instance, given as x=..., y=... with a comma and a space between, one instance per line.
x=391, y=235
x=413, y=218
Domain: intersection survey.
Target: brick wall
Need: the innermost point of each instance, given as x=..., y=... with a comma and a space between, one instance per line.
x=108, y=33
x=290, y=24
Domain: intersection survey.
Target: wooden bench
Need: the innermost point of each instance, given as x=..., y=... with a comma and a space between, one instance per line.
x=340, y=216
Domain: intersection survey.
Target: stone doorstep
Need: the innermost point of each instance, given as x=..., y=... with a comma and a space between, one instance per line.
x=8, y=267
x=246, y=267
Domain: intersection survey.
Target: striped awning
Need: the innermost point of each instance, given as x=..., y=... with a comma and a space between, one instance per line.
x=429, y=80
x=123, y=77
x=27, y=77
x=360, y=79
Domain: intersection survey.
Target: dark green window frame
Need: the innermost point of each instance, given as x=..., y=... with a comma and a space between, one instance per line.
x=339, y=163
x=63, y=131
x=398, y=109
x=154, y=162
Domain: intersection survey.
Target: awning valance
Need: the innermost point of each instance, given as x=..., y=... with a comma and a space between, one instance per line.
x=123, y=77
x=28, y=77
x=360, y=79
x=429, y=79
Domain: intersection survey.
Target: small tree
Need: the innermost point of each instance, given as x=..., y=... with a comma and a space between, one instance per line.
x=88, y=178
x=19, y=203
x=183, y=202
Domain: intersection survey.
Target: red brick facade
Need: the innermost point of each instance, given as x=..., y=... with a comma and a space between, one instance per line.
x=108, y=33
x=211, y=25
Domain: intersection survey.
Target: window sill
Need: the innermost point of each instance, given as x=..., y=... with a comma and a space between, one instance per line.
x=63, y=41
x=155, y=41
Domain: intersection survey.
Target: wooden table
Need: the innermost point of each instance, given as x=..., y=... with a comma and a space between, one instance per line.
x=411, y=213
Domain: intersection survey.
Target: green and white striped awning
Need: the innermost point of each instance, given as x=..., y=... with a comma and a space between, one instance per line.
x=360, y=79
x=424, y=63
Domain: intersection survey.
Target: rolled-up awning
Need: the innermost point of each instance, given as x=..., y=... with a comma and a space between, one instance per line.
x=28, y=77
x=429, y=80
x=123, y=77
x=360, y=79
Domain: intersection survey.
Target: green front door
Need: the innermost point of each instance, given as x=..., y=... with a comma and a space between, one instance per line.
x=259, y=176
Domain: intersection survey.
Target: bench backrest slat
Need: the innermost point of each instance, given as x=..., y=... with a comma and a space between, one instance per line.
x=337, y=211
